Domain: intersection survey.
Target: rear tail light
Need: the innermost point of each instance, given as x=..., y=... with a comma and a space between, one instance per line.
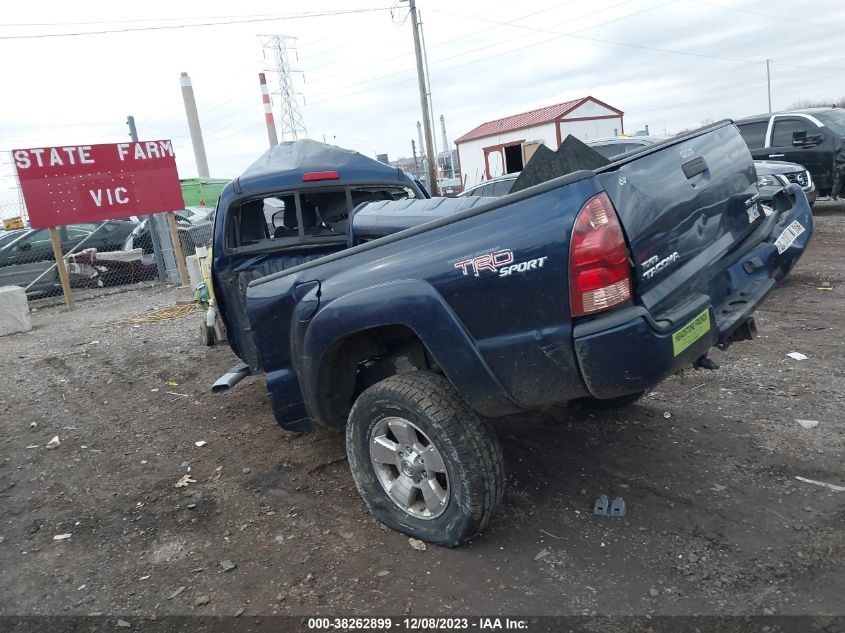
x=320, y=175
x=599, y=273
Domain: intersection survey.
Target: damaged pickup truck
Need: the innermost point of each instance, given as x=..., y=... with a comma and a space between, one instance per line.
x=434, y=314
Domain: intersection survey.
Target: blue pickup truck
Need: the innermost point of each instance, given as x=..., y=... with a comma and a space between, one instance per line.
x=409, y=320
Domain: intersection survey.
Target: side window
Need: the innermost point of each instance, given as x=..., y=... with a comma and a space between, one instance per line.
x=502, y=187
x=78, y=231
x=754, y=134
x=784, y=128
x=37, y=239
x=486, y=190
x=302, y=215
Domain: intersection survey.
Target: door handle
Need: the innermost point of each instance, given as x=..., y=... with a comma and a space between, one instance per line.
x=776, y=155
x=694, y=167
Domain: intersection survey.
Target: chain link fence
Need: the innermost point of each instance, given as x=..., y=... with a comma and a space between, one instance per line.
x=100, y=257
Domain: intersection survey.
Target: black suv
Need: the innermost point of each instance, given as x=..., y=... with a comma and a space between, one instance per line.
x=814, y=138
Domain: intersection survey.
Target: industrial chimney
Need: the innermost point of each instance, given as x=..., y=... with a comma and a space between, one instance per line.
x=268, y=111
x=194, y=125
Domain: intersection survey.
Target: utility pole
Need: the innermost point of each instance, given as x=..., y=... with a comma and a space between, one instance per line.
x=769, y=83
x=428, y=92
x=151, y=219
x=414, y=154
x=194, y=125
x=429, y=144
x=174, y=250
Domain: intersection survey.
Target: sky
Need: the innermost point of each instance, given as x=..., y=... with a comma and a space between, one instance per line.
x=671, y=64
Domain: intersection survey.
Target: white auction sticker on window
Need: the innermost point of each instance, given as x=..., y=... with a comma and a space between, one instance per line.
x=789, y=235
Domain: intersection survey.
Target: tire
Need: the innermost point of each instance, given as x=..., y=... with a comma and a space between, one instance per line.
x=611, y=403
x=462, y=461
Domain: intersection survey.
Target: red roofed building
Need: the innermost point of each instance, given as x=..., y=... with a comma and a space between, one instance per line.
x=503, y=146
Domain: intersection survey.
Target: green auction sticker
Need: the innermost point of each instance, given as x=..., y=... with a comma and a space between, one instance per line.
x=691, y=332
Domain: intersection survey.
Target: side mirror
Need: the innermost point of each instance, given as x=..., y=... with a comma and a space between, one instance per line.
x=802, y=139
x=798, y=138
x=813, y=139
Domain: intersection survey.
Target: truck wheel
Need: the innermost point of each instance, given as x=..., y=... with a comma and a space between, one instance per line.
x=611, y=403
x=422, y=460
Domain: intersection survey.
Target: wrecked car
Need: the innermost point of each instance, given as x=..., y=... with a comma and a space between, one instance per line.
x=814, y=138
x=591, y=282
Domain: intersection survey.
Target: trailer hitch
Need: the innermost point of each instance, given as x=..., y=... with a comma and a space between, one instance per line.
x=747, y=331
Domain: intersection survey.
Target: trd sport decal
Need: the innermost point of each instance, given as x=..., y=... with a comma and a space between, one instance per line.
x=498, y=261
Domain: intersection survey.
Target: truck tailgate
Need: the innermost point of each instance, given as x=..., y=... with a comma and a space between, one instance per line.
x=684, y=205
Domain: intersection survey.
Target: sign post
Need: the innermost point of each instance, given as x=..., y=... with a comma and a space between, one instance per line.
x=93, y=183
x=60, y=265
x=177, y=248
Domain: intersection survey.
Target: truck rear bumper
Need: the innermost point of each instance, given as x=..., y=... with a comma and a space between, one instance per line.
x=631, y=350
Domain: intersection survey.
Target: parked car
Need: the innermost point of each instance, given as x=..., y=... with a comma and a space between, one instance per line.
x=492, y=188
x=191, y=235
x=195, y=215
x=424, y=315
x=814, y=138
x=26, y=254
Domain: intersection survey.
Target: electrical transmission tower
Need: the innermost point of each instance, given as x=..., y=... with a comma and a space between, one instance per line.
x=278, y=48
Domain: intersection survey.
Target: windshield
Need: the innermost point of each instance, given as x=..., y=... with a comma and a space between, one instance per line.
x=834, y=119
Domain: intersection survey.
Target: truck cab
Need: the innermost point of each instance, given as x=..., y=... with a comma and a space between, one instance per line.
x=290, y=207
x=814, y=138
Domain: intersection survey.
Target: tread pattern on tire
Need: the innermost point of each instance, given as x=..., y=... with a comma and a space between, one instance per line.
x=442, y=403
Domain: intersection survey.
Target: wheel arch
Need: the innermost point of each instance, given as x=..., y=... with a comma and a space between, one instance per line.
x=410, y=313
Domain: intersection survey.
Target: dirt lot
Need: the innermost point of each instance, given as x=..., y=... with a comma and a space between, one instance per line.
x=716, y=523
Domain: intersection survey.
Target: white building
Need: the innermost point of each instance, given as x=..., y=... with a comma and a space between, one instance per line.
x=503, y=146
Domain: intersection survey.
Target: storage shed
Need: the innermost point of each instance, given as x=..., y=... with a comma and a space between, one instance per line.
x=503, y=146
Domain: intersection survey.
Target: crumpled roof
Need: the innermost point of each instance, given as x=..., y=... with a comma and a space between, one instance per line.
x=284, y=165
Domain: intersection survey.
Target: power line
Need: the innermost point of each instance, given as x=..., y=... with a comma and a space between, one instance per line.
x=137, y=20
x=508, y=52
x=791, y=20
x=574, y=34
x=38, y=127
x=641, y=46
x=467, y=52
x=456, y=39
x=198, y=24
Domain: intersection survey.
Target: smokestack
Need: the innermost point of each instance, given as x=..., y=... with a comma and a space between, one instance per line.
x=268, y=111
x=446, y=147
x=194, y=125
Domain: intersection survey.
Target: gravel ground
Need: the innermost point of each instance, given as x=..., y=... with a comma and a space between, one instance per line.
x=717, y=522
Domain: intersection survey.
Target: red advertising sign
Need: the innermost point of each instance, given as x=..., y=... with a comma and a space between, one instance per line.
x=88, y=183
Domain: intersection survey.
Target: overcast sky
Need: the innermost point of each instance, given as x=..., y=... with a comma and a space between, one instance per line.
x=487, y=59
